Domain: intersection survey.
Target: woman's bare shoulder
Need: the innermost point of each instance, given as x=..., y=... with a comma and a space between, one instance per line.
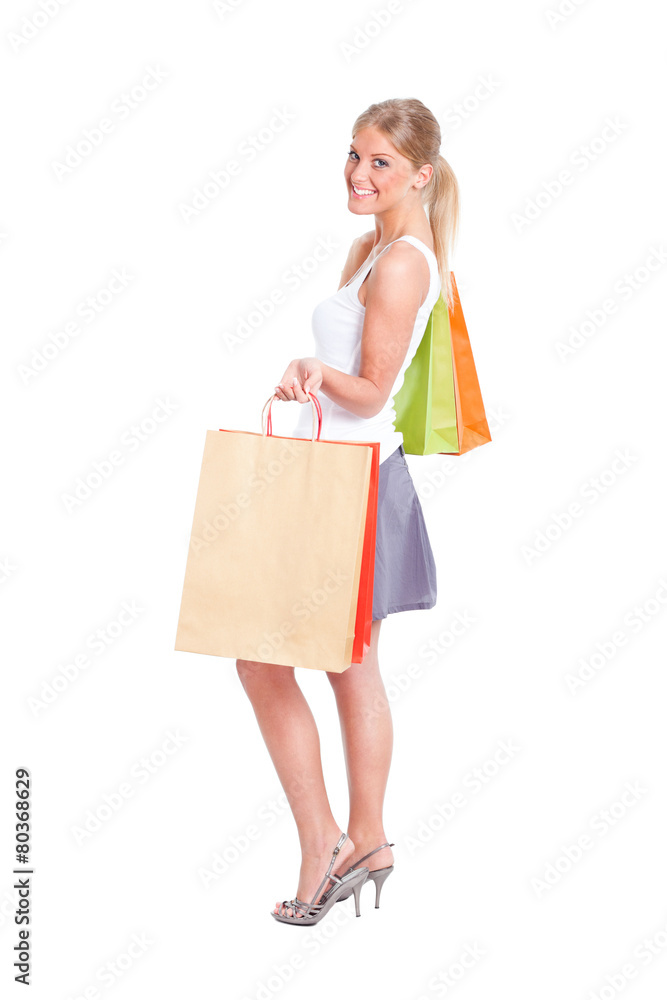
x=359, y=250
x=400, y=263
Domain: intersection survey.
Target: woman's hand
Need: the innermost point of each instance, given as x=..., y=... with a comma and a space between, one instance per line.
x=300, y=374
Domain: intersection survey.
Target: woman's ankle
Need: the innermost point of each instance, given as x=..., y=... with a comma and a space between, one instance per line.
x=370, y=836
x=322, y=842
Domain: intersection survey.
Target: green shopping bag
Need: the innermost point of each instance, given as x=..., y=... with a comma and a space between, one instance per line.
x=439, y=407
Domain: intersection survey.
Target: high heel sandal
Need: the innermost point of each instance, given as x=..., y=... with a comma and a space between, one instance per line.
x=379, y=876
x=352, y=880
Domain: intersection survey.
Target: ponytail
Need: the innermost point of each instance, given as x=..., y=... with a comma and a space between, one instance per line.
x=441, y=198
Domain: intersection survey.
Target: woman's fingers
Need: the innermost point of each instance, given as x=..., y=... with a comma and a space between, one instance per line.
x=290, y=393
x=299, y=394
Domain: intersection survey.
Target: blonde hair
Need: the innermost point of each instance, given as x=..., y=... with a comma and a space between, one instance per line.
x=415, y=133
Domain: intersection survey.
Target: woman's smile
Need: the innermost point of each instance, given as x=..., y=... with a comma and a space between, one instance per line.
x=362, y=192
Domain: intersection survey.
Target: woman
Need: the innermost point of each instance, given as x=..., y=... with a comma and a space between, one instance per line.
x=366, y=336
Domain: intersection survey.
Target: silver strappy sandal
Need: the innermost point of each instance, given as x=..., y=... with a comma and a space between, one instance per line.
x=310, y=913
x=379, y=876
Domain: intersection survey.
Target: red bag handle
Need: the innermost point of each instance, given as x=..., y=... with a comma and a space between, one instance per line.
x=317, y=416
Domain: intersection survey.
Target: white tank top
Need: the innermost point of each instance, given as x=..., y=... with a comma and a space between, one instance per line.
x=337, y=324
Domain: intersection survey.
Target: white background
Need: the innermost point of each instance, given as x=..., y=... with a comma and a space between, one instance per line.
x=558, y=425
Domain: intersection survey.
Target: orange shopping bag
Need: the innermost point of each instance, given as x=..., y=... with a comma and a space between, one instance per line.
x=439, y=407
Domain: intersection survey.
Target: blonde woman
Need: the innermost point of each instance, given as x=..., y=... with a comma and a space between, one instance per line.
x=366, y=335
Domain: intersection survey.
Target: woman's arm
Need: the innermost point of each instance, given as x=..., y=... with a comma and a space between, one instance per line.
x=396, y=287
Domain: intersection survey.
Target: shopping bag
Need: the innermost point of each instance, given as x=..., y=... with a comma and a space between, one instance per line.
x=364, y=617
x=280, y=561
x=439, y=407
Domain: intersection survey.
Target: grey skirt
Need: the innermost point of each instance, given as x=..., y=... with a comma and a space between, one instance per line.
x=405, y=576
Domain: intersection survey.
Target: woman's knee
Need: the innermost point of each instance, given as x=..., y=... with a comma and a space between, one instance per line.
x=360, y=675
x=253, y=673
x=356, y=678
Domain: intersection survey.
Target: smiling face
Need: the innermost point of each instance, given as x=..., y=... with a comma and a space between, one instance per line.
x=378, y=177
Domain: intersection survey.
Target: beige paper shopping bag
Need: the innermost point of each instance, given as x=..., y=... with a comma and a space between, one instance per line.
x=273, y=566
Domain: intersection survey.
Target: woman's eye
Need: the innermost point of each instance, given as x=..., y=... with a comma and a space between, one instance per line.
x=383, y=162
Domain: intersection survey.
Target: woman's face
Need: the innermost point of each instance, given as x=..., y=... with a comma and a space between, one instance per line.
x=381, y=176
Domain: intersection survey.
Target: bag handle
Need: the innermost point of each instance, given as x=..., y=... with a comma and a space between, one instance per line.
x=317, y=416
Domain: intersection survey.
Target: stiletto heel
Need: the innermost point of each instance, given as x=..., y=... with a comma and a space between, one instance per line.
x=356, y=889
x=379, y=876
x=321, y=902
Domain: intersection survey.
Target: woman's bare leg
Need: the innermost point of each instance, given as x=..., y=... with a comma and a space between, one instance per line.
x=290, y=733
x=366, y=726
